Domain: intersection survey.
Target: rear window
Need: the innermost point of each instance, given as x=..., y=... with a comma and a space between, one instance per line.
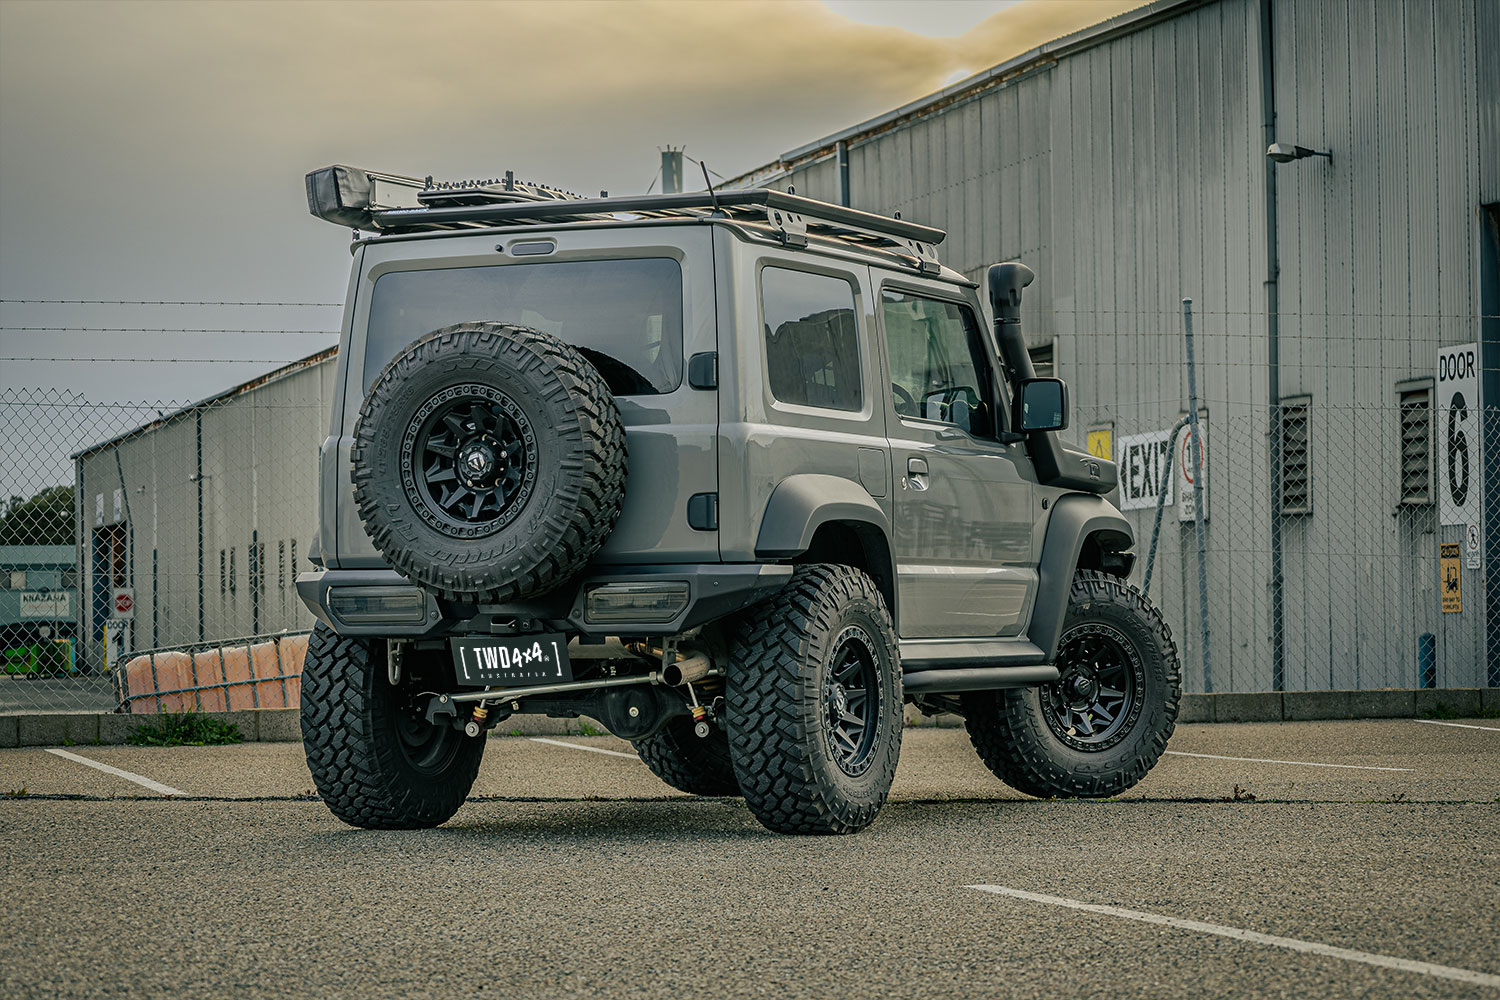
x=625, y=316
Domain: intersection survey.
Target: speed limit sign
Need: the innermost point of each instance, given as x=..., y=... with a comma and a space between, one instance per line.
x=1458, y=435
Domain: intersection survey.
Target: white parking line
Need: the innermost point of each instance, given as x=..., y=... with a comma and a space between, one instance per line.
x=155, y=786
x=1456, y=725
x=1295, y=944
x=575, y=746
x=1299, y=763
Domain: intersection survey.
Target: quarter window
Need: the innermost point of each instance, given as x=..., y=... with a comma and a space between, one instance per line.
x=812, y=340
x=939, y=369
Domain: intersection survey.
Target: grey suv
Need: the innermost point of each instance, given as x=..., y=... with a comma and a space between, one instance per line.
x=734, y=473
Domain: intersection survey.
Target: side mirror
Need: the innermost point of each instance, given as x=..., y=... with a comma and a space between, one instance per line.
x=1041, y=405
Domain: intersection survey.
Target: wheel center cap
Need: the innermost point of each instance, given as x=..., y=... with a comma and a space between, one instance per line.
x=839, y=699
x=476, y=461
x=1082, y=689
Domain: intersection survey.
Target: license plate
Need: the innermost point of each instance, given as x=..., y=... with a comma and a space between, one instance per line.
x=512, y=660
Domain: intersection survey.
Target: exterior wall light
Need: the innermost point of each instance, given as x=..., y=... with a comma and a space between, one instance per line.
x=1285, y=152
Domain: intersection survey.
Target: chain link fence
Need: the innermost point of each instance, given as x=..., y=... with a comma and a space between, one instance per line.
x=148, y=551
x=142, y=543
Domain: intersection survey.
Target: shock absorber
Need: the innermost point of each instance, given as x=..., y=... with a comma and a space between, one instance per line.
x=475, y=725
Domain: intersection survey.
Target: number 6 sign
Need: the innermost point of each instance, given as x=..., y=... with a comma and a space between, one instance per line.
x=1458, y=436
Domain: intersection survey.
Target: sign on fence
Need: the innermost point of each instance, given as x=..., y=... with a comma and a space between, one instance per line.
x=46, y=604
x=1142, y=459
x=122, y=603
x=1458, y=435
x=1185, y=473
x=1450, y=578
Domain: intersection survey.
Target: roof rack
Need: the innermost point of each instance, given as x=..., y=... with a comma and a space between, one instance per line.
x=365, y=199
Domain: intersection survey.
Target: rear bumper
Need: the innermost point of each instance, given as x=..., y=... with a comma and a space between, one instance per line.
x=714, y=590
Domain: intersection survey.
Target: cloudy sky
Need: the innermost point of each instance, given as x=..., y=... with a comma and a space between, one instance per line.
x=155, y=151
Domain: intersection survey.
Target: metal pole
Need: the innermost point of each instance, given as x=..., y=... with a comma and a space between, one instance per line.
x=1161, y=499
x=198, y=479
x=841, y=152
x=1273, y=347
x=1192, y=419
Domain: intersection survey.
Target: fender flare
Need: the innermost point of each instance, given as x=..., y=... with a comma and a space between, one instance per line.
x=1075, y=518
x=803, y=503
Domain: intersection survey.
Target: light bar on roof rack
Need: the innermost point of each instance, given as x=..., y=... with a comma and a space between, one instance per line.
x=350, y=196
x=345, y=196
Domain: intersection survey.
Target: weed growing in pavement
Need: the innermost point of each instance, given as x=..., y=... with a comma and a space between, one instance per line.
x=584, y=729
x=1442, y=710
x=16, y=793
x=1240, y=795
x=515, y=732
x=185, y=729
x=1492, y=712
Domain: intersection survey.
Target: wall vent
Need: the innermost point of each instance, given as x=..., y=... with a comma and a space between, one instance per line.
x=1416, y=444
x=1296, y=458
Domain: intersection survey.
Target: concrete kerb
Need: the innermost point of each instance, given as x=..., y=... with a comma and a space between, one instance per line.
x=283, y=725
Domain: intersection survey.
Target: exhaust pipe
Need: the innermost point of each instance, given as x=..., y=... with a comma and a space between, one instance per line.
x=687, y=670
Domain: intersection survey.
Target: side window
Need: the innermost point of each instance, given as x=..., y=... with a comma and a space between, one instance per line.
x=939, y=368
x=812, y=340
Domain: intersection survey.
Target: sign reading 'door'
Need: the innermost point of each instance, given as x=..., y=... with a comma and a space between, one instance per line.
x=1458, y=472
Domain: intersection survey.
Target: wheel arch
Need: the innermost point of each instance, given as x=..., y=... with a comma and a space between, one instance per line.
x=1084, y=532
x=816, y=518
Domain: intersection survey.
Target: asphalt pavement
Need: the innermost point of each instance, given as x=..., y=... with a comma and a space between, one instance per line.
x=1322, y=859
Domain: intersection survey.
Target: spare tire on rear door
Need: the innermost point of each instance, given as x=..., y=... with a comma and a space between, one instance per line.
x=489, y=462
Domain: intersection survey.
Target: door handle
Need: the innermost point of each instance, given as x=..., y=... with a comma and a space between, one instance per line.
x=916, y=473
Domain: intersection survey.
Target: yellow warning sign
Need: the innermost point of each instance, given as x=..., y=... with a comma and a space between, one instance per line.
x=1101, y=444
x=1449, y=579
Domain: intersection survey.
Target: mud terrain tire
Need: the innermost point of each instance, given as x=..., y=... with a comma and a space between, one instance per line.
x=802, y=664
x=489, y=462
x=375, y=759
x=689, y=763
x=1034, y=739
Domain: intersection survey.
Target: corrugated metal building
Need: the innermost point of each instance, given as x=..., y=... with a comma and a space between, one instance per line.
x=204, y=514
x=1127, y=164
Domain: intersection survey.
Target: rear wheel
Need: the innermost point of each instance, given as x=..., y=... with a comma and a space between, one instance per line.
x=376, y=760
x=690, y=763
x=814, y=703
x=1104, y=723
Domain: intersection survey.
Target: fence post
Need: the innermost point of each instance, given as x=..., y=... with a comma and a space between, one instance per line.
x=1192, y=418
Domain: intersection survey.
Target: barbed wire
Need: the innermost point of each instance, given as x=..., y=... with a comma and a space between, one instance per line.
x=157, y=329
x=163, y=302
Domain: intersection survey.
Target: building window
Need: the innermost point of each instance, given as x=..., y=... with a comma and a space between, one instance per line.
x=1043, y=360
x=1416, y=442
x=812, y=340
x=1296, y=460
x=223, y=574
x=232, y=581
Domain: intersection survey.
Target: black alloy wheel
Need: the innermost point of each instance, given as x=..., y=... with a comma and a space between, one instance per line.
x=847, y=702
x=468, y=461
x=1095, y=702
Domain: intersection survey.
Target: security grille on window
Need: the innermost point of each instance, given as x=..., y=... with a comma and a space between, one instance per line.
x=1043, y=360
x=812, y=341
x=1416, y=444
x=1296, y=460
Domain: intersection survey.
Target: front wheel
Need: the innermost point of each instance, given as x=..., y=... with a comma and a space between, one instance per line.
x=1104, y=723
x=814, y=703
x=376, y=760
